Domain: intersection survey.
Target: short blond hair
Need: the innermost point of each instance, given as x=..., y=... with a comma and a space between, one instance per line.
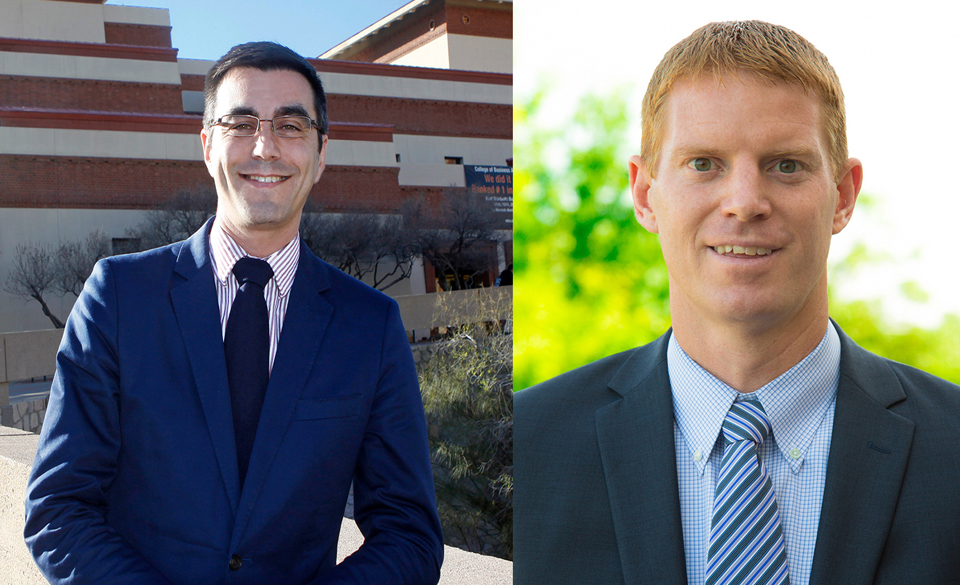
x=770, y=51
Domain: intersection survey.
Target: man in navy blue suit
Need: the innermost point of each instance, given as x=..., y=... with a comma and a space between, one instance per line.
x=152, y=469
x=642, y=468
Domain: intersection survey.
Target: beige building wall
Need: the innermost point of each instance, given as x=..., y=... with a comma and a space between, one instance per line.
x=435, y=53
x=480, y=53
x=52, y=21
x=49, y=227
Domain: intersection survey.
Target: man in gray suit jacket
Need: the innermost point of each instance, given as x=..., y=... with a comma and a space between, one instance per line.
x=626, y=469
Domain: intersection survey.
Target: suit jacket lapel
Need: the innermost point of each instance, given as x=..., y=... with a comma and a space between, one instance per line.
x=308, y=314
x=636, y=440
x=198, y=315
x=868, y=457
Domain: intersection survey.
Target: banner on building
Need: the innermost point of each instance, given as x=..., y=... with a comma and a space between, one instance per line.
x=495, y=186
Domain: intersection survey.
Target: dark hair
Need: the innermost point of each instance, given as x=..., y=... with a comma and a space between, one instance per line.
x=264, y=56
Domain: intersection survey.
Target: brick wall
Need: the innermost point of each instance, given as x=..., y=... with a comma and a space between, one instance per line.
x=97, y=183
x=482, y=22
x=94, y=183
x=425, y=117
x=137, y=34
x=87, y=94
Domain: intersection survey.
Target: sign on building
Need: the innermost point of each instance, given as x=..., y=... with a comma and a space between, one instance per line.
x=495, y=186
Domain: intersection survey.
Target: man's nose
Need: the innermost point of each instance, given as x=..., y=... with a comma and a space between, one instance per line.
x=746, y=196
x=267, y=145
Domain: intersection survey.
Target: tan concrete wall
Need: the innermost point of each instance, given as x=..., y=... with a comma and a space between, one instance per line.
x=480, y=53
x=49, y=226
x=411, y=88
x=430, y=150
x=100, y=143
x=452, y=308
x=435, y=53
x=83, y=67
x=52, y=21
x=29, y=354
x=136, y=15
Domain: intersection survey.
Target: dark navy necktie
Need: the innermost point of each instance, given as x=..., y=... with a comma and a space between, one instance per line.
x=246, y=346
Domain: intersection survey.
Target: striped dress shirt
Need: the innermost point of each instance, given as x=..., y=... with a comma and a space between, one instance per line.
x=800, y=404
x=224, y=253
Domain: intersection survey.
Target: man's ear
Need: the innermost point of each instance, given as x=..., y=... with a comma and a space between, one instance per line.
x=847, y=191
x=640, y=185
x=322, y=162
x=205, y=143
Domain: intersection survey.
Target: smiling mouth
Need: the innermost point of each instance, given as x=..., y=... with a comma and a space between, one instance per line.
x=744, y=250
x=265, y=179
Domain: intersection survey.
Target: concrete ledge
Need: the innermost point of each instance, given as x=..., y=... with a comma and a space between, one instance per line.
x=17, y=449
x=16, y=456
x=28, y=354
x=461, y=306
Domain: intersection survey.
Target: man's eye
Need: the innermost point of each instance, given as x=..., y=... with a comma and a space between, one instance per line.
x=788, y=166
x=241, y=126
x=701, y=164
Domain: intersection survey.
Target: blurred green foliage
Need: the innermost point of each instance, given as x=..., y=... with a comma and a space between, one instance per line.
x=590, y=282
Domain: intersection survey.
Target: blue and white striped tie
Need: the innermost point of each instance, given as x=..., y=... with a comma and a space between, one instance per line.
x=746, y=539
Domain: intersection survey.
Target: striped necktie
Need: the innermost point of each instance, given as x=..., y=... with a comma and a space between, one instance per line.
x=746, y=539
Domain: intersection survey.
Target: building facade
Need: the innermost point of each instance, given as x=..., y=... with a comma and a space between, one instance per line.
x=100, y=122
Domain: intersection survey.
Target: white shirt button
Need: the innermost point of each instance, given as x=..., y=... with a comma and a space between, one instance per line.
x=795, y=453
x=697, y=455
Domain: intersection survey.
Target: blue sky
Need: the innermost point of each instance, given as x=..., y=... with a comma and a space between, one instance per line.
x=206, y=29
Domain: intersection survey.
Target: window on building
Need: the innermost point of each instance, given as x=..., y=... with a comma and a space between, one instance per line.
x=398, y=157
x=453, y=160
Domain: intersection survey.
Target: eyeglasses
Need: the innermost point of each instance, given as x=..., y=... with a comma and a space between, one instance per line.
x=283, y=126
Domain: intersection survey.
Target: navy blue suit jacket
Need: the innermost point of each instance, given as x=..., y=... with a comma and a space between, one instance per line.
x=135, y=479
x=597, y=497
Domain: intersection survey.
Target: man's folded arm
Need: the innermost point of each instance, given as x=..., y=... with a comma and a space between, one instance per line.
x=66, y=529
x=394, y=498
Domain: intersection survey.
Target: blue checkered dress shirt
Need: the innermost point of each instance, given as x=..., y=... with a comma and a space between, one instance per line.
x=800, y=405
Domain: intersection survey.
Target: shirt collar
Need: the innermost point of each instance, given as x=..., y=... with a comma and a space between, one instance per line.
x=225, y=252
x=796, y=401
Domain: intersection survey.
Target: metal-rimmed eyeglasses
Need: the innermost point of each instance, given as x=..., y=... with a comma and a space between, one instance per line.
x=283, y=126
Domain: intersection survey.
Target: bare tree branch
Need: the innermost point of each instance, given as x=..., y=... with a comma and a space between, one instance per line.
x=176, y=219
x=377, y=247
x=75, y=261
x=458, y=241
x=33, y=275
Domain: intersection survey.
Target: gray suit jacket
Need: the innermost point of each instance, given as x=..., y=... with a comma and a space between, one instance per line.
x=597, y=500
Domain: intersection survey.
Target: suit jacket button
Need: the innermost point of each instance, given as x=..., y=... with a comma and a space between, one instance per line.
x=235, y=563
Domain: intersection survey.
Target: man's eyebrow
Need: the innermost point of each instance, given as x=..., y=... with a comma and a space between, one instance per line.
x=800, y=152
x=242, y=111
x=292, y=110
x=682, y=153
x=692, y=151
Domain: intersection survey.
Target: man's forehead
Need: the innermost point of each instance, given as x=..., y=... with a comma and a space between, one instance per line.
x=279, y=92
x=712, y=99
x=714, y=81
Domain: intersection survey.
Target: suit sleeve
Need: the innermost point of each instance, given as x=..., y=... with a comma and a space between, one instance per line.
x=394, y=498
x=76, y=461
